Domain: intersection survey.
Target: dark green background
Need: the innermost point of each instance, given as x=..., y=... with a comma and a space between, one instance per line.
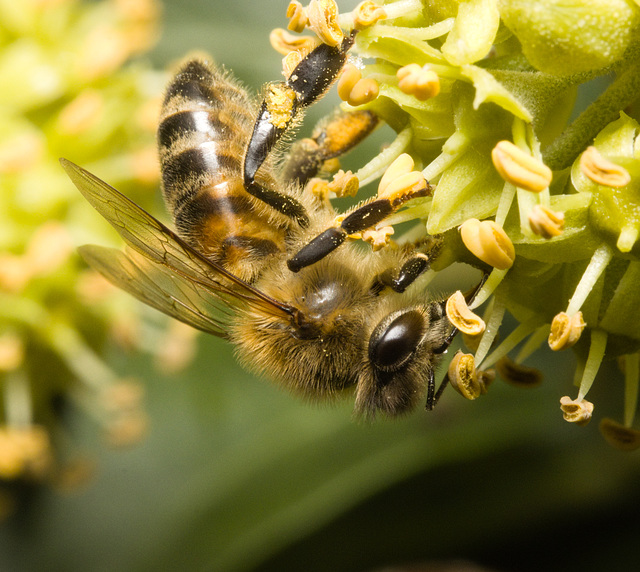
x=236, y=475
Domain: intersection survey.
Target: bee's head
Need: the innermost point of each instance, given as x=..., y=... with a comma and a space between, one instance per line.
x=404, y=348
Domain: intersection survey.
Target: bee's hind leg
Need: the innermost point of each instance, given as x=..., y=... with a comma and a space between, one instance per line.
x=333, y=136
x=310, y=79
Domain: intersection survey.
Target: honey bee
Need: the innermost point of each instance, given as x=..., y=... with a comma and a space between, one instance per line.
x=259, y=261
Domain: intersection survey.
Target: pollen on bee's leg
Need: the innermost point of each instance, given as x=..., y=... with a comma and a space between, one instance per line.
x=280, y=102
x=519, y=168
x=419, y=81
x=323, y=20
x=603, y=171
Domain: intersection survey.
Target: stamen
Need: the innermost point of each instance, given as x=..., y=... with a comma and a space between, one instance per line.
x=603, y=171
x=378, y=238
x=366, y=14
x=599, y=261
x=619, y=436
x=297, y=14
x=464, y=377
x=546, y=223
x=283, y=42
x=631, y=382
x=518, y=374
x=461, y=317
x=489, y=242
x=400, y=181
x=576, y=411
x=520, y=168
x=323, y=20
x=419, y=81
x=565, y=330
x=344, y=184
x=594, y=359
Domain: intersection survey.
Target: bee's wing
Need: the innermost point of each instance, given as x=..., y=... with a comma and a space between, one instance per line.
x=183, y=270
x=154, y=285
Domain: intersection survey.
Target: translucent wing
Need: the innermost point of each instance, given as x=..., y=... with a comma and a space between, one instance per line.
x=156, y=286
x=161, y=269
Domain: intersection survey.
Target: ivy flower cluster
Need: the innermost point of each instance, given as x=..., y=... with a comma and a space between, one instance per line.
x=481, y=95
x=66, y=89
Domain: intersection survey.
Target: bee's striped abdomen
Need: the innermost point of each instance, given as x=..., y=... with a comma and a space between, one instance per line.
x=205, y=125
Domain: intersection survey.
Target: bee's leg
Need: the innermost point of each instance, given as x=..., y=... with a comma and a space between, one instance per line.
x=310, y=79
x=399, y=282
x=362, y=218
x=285, y=204
x=432, y=395
x=334, y=136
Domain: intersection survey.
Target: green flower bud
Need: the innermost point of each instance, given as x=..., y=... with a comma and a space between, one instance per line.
x=565, y=38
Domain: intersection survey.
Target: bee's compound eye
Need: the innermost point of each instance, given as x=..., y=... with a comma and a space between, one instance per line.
x=392, y=343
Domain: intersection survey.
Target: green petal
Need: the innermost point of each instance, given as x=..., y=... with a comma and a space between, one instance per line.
x=473, y=32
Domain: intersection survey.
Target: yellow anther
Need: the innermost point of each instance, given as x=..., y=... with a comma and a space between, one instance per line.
x=290, y=62
x=565, y=330
x=344, y=184
x=418, y=81
x=348, y=78
x=11, y=352
x=367, y=14
x=283, y=42
x=297, y=14
x=518, y=374
x=124, y=395
x=464, y=377
x=620, y=436
x=323, y=20
x=489, y=242
x=519, y=168
x=404, y=185
x=366, y=90
x=331, y=165
x=401, y=165
x=379, y=238
x=127, y=429
x=355, y=90
x=603, y=171
x=462, y=317
x=574, y=411
x=546, y=223
x=24, y=452
x=318, y=188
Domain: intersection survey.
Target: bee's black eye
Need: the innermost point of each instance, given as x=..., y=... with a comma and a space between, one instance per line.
x=392, y=343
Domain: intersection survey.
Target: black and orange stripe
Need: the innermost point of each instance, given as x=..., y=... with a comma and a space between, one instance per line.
x=205, y=125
